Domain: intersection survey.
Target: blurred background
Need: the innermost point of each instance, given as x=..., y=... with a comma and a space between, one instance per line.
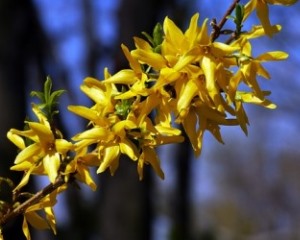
x=248, y=188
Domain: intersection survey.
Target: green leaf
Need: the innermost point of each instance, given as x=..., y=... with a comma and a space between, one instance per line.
x=238, y=18
x=48, y=99
x=239, y=13
x=47, y=88
x=37, y=94
x=149, y=38
x=158, y=35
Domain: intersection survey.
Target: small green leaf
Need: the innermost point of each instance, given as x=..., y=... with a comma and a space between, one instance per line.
x=37, y=94
x=238, y=18
x=47, y=88
x=149, y=38
x=239, y=13
x=48, y=99
x=158, y=35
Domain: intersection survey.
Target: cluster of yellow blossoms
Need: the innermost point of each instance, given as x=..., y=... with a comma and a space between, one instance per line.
x=184, y=82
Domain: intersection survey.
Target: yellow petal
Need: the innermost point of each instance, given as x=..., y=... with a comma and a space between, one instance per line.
x=134, y=64
x=148, y=105
x=51, y=218
x=142, y=44
x=94, y=93
x=272, y=56
x=42, y=131
x=90, y=159
x=209, y=68
x=221, y=49
x=165, y=130
x=161, y=140
x=84, y=176
x=128, y=148
x=27, y=133
x=24, y=179
x=36, y=220
x=203, y=36
x=187, y=58
x=26, y=229
x=153, y=59
x=93, y=82
x=189, y=125
x=119, y=127
x=189, y=92
x=96, y=133
x=111, y=154
x=23, y=166
x=125, y=76
x=151, y=157
x=84, y=112
x=191, y=32
x=16, y=139
x=251, y=98
x=166, y=76
x=262, y=11
x=63, y=146
x=30, y=153
x=242, y=116
x=249, y=8
x=173, y=33
x=51, y=164
x=37, y=111
x=282, y=2
x=84, y=143
x=140, y=166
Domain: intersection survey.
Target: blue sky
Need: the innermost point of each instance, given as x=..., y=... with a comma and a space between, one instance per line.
x=63, y=22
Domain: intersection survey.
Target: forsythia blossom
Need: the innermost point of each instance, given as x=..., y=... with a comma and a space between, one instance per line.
x=177, y=81
x=44, y=153
x=262, y=10
x=191, y=79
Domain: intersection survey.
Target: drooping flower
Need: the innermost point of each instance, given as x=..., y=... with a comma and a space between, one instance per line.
x=40, y=222
x=80, y=165
x=262, y=11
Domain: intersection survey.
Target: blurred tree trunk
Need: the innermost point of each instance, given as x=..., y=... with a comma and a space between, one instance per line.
x=126, y=209
x=120, y=209
x=181, y=228
x=20, y=56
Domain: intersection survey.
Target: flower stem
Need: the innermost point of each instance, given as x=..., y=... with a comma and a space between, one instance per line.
x=218, y=27
x=33, y=200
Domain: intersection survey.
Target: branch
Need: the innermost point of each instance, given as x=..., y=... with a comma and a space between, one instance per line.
x=33, y=200
x=218, y=27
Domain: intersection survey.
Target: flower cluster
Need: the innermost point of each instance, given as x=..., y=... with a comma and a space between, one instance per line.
x=186, y=79
x=177, y=84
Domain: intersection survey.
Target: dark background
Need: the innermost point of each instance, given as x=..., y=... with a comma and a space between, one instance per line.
x=245, y=189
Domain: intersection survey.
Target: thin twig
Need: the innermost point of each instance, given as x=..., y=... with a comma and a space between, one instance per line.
x=33, y=200
x=218, y=27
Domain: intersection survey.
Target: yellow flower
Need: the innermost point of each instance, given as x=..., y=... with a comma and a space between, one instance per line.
x=250, y=68
x=262, y=11
x=130, y=134
x=44, y=155
x=149, y=155
x=80, y=165
x=32, y=217
x=135, y=78
x=108, y=131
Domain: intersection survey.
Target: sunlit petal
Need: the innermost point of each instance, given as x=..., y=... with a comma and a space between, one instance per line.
x=110, y=154
x=51, y=164
x=29, y=153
